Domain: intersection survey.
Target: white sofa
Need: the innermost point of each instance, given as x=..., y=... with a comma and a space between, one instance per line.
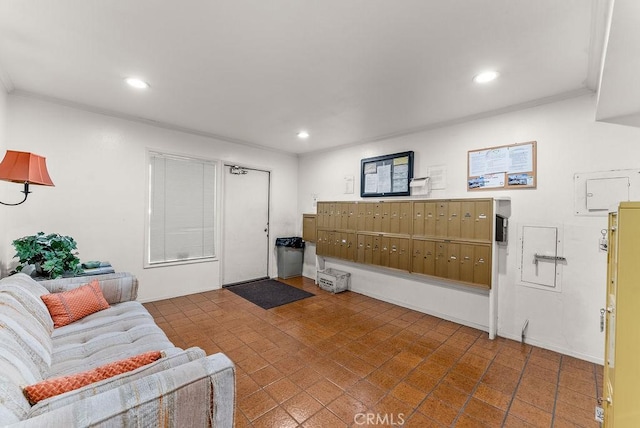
x=184, y=388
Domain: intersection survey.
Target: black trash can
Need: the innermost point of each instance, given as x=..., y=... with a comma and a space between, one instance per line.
x=290, y=256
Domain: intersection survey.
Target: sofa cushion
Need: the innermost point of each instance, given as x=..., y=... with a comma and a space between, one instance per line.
x=72, y=305
x=117, y=287
x=16, y=369
x=28, y=292
x=160, y=365
x=18, y=329
x=25, y=343
x=59, y=385
x=14, y=406
x=119, y=332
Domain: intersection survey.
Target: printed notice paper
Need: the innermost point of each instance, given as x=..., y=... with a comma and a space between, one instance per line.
x=502, y=167
x=520, y=159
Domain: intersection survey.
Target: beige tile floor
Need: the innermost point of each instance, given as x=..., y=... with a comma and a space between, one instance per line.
x=351, y=360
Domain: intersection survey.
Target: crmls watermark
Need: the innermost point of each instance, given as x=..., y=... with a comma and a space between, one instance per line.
x=387, y=419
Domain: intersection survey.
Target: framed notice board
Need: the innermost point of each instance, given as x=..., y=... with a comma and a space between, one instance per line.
x=502, y=167
x=387, y=175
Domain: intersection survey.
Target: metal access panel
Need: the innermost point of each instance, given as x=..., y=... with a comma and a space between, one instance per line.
x=598, y=193
x=603, y=194
x=540, y=257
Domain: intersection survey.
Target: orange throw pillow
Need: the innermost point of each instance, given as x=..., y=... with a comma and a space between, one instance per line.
x=59, y=385
x=72, y=305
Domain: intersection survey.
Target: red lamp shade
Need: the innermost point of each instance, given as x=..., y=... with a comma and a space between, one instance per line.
x=23, y=167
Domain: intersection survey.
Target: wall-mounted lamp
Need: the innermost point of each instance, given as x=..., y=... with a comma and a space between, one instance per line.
x=23, y=167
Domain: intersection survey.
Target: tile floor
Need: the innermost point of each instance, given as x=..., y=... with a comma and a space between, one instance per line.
x=351, y=360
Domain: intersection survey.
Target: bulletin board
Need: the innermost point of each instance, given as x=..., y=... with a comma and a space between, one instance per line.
x=502, y=167
x=387, y=175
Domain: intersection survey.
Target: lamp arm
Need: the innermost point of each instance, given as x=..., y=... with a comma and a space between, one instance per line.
x=26, y=194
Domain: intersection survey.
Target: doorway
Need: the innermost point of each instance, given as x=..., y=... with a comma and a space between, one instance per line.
x=246, y=225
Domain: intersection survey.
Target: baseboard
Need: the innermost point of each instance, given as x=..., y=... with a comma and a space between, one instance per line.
x=558, y=349
x=155, y=299
x=467, y=323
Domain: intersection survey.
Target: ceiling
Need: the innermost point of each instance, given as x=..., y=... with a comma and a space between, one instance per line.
x=258, y=71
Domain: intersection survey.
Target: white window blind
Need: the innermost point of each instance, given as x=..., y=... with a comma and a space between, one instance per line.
x=181, y=208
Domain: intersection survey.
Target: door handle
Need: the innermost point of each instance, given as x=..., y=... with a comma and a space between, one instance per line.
x=537, y=257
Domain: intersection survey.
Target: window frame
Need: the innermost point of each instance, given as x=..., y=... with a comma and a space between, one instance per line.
x=147, y=264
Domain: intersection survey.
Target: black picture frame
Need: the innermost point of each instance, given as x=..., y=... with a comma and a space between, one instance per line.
x=387, y=175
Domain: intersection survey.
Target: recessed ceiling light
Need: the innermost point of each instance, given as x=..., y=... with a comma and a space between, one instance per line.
x=486, y=76
x=136, y=83
x=303, y=134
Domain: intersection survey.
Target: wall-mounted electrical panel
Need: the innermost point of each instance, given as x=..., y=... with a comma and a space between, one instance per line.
x=598, y=193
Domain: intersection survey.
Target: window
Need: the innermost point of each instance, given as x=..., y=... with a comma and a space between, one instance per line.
x=182, y=200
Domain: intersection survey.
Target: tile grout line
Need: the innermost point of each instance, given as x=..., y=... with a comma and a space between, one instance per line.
x=415, y=409
x=555, y=398
x=250, y=325
x=324, y=377
x=513, y=395
x=388, y=393
x=475, y=388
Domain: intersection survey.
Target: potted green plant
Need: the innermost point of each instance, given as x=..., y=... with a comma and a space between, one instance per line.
x=53, y=255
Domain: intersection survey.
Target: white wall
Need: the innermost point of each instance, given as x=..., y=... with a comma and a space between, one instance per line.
x=569, y=141
x=98, y=165
x=3, y=185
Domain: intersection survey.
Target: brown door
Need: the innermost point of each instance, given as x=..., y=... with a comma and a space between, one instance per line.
x=361, y=209
x=385, y=217
x=466, y=262
x=385, y=250
x=320, y=214
x=344, y=245
x=430, y=215
x=442, y=258
x=453, y=225
x=429, y=257
x=394, y=253
x=320, y=244
x=375, y=250
x=337, y=243
x=377, y=217
x=344, y=215
x=482, y=265
x=442, y=217
x=368, y=249
x=417, y=262
x=368, y=217
x=394, y=218
x=352, y=221
x=361, y=249
x=467, y=219
x=404, y=255
x=405, y=218
x=484, y=219
x=418, y=218
x=453, y=270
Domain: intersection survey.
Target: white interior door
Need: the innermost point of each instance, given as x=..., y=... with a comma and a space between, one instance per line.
x=246, y=225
